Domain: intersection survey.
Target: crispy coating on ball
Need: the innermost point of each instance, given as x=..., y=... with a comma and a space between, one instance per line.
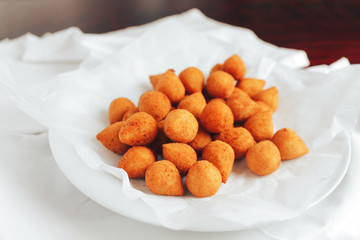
x=216, y=116
x=260, y=125
x=289, y=144
x=263, y=158
x=194, y=103
x=261, y=106
x=216, y=67
x=171, y=86
x=117, y=109
x=201, y=139
x=181, y=126
x=155, y=103
x=162, y=177
x=221, y=155
x=269, y=96
x=180, y=154
x=203, y=179
x=239, y=138
x=220, y=84
x=154, y=79
x=136, y=160
x=238, y=92
x=139, y=129
x=235, y=66
x=241, y=105
x=130, y=112
x=251, y=86
x=192, y=79
x=109, y=137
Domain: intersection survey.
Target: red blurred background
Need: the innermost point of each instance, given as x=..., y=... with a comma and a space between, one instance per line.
x=326, y=29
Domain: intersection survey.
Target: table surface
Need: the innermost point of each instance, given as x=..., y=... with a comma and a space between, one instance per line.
x=326, y=29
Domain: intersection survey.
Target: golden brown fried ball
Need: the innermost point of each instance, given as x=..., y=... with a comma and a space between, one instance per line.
x=221, y=155
x=155, y=103
x=261, y=106
x=136, y=160
x=162, y=177
x=251, y=86
x=139, y=129
x=192, y=79
x=235, y=66
x=117, y=109
x=237, y=92
x=194, y=103
x=154, y=79
x=201, y=139
x=129, y=112
x=180, y=154
x=239, y=139
x=109, y=137
x=241, y=105
x=289, y=144
x=263, y=158
x=269, y=96
x=203, y=179
x=181, y=126
x=216, y=116
x=217, y=67
x=171, y=86
x=260, y=125
x=220, y=84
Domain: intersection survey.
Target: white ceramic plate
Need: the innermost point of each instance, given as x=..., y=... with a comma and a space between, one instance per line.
x=105, y=189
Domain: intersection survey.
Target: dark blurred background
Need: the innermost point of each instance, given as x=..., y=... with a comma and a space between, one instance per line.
x=325, y=29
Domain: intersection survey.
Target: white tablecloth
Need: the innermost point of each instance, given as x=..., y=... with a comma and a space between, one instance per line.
x=38, y=202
